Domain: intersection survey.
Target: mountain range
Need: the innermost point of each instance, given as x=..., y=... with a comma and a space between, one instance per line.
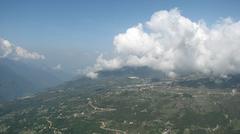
x=20, y=78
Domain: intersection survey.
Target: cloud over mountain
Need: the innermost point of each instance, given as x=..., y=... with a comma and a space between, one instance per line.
x=174, y=44
x=8, y=50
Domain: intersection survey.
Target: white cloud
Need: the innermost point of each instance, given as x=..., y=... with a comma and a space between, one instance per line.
x=5, y=48
x=8, y=50
x=92, y=75
x=103, y=64
x=174, y=44
x=57, y=67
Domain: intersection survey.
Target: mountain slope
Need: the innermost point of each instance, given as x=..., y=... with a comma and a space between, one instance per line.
x=144, y=72
x=230, y=82
x=19, y=79
x=193, y=80
x=12, y=84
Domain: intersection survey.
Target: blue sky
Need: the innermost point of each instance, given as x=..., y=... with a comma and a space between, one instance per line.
x=72, y=33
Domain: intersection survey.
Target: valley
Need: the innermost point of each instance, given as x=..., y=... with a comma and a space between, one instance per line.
x=134, y=106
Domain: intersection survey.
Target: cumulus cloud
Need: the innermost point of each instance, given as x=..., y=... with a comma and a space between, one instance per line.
x=8, y=50
x=174, y=44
